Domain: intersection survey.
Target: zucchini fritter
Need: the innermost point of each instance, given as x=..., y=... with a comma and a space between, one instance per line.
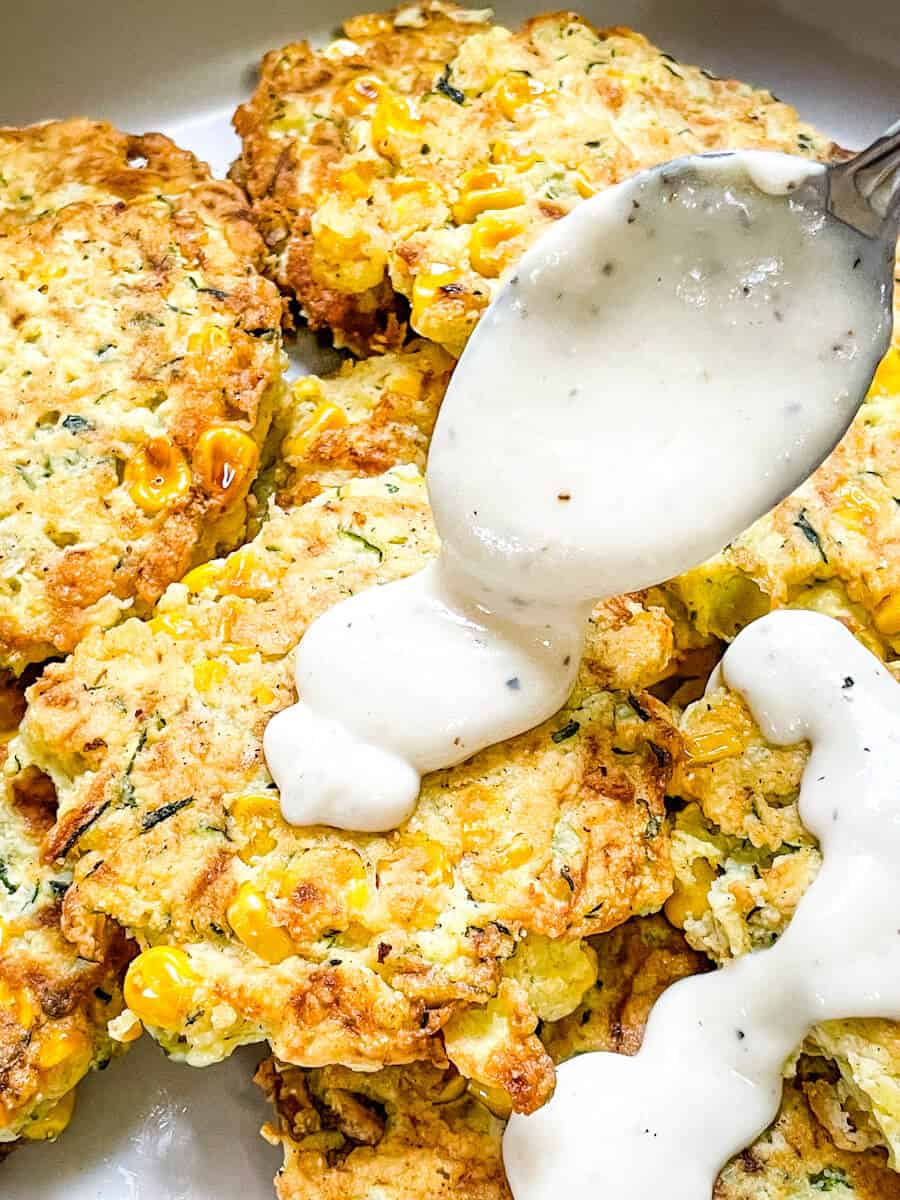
x=414, y=1133
x=54, y=1004
x=420, y=154
x=833, y=546
x=139, y=358
x=340, y=948
x=743, y=861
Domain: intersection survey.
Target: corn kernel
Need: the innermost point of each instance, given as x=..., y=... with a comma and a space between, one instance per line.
x=262, y=694
x=225, y=459
x=432, y=286
x=204, y=341
x=484, y=189
x=159, y=986
x=174, y=622
x=257, y=815
x=357, y=181
x=393, y=119
x=53, y=1122
x=856, y=509
x=360, y=95
x=19, y=1002
x=690, y=900
x=202, y=577
x=60, y=1045
x=209, y=673
x=508, y=153
x=887, y=616
x=583, y=186
x=887, y=377
x=710, y=747
x=326, y=416
x=307, y=388
x=249, y=918
x=495, y=1100
x=157, y=475
x=488, y=245
x=518, y=93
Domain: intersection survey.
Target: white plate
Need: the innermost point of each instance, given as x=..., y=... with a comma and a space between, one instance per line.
x=148, y=1129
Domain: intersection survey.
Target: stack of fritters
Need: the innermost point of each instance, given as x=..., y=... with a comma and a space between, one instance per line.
x=415, y=987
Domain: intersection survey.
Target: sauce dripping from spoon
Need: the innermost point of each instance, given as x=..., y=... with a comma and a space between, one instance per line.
x=667, y=363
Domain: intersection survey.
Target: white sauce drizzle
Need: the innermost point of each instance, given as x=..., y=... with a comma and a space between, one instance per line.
x=707, y=1079
x=666, y=364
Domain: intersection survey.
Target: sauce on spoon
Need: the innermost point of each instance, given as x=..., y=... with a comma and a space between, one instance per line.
x=667, y=363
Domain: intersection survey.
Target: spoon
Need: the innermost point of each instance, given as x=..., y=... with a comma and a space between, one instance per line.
x=661, y=368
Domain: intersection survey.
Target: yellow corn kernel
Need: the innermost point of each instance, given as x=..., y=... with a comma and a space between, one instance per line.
x=308, y=388
x=519, y=852
x=434, y=285
x=357, y=180
x=18, y=1001
x=225, y=459
x=257, y=815
x=393, y=118
x=887, y=377
x=359, y=96
x=202, y=577
x=262, y=694
x=488, y=245
x=53, y=1122
x=583, y=186
x=495, y=1100
x=239, y=652
x=710, y=747
x=204, y=341
x=484, y=189
x=510, y=154
x=887, y=616
x=159, y=986
x=326, y=416
x=249, y=917
x=518, y=93
x=157, y=475
x=209, y=673
x=856, y=509
x=690, y=900
x=174, y=622
x=414, y=203
x=60, y=1045
x=292, y=118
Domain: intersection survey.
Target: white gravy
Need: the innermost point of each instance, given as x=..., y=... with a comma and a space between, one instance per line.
x=665, y=364
x=707, y=1079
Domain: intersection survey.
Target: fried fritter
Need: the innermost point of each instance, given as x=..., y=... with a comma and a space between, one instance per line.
x=833, y=546
x=139, y=360
x=743, y=861
x=420, y=154
x=454, y=935
x=413, y=1133
x=54, y=1005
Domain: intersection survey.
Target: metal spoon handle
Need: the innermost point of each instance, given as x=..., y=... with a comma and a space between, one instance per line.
x=865, y=190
